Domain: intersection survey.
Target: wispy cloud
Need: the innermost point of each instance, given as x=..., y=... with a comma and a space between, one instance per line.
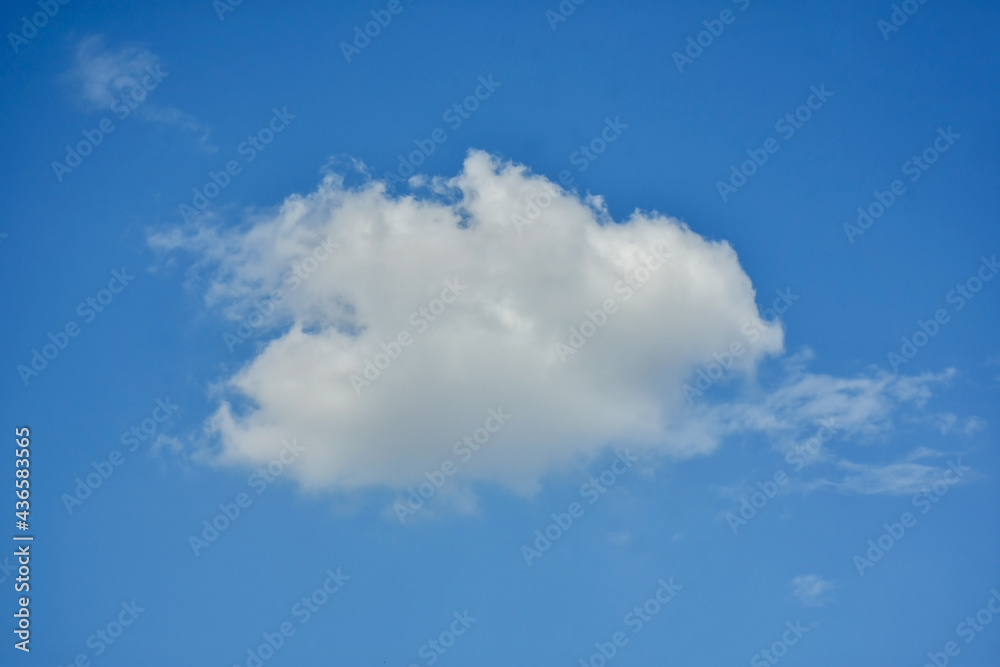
x=812, y=590
x=863, y=407
x=106, y=75
x=121, y=79
x=904, y=477
x=994, y=361
x=380, y=413
x=949, y=422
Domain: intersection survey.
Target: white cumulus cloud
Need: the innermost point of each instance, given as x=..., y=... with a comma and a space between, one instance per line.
x=394, y=324
x=665, y=299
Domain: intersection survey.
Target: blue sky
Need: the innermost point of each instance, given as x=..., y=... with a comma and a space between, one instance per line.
x=729, y=435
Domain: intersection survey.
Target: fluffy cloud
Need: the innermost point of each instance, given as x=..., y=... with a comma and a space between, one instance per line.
x=398, y=322
x=665, y=300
